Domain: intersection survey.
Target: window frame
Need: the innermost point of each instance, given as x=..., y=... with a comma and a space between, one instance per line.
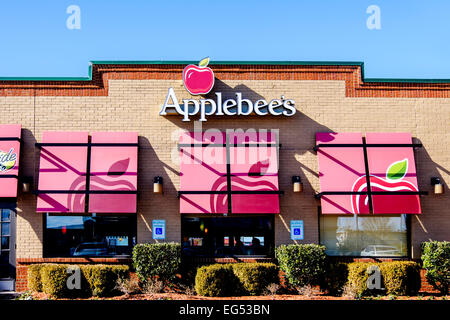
x=45, y=233
x=408, y=235
x=244, y=216
x=12, y=236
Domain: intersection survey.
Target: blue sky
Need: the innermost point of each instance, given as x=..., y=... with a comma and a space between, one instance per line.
x=413, y=42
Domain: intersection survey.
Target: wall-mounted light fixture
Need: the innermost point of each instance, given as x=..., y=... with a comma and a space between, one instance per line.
x=297, y=184
x=26, y=184
x=438, y=186
x=158, y=184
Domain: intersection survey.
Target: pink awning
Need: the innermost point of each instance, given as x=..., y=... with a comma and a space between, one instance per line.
x=113, y=169
x=344, y=184
x=203, y=168
x=249, y=177
x=62, y=168
x=10, y=135
x=392, y=169
x=339, y=169
x=254, y=169
x=111, y=175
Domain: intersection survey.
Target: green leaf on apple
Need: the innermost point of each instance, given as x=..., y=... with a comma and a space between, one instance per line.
x=397, y=170
x=5, y=166
x=204, y=62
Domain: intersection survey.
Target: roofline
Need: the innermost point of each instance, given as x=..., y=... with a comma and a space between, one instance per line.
x=262, y=63
x=242, y=63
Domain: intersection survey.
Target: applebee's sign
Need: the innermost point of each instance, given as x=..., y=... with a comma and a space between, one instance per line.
x=199, y=80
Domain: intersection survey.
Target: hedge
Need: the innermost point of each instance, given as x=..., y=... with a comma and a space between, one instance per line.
x=102, y=279
x=335, y=278
x=97, y=280
x=223, y=280
x=436, y=262
x=160, y=260
x=54, y=280
x=401, y=278
x=34, y=282
x=303, y=264
x=216, y=280
x=397, y=278
x=255, y=277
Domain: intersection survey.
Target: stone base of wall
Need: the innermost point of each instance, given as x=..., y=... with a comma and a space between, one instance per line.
x=426, y=286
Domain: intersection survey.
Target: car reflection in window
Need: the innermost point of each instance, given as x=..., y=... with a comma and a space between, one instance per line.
x=380, y=250
x=90, y=249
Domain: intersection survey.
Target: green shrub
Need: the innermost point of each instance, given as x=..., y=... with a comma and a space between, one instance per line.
x=217, y=280
x=397, y=278
x=358, y=274
x=401, y=278
x=255, y=277
x=335, y=278
x=102, y=279
x=436, y=262
x=96, y=280
x=54, y=280
x=34, y=282
x=161, y=260
x=303, y=264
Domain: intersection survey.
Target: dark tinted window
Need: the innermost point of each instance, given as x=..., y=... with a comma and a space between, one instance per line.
x=80, y=236
x=227, y=236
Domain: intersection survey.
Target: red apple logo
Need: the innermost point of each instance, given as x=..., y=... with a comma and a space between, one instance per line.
x=387, y=204
x=198, y=79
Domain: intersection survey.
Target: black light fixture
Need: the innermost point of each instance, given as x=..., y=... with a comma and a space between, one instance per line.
x=158, y=184
x=438, y=186
x=297, y=184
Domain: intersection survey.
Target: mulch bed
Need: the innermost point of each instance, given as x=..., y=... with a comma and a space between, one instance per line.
x=180, y=296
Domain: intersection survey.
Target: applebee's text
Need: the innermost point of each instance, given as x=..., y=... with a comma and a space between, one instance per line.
x=229, y=107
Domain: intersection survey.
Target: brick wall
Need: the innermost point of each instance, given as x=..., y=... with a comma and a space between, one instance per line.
x=128, y=98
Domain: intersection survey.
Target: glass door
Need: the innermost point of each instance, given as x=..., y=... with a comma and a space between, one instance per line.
x=218, y=236
x=7, y=249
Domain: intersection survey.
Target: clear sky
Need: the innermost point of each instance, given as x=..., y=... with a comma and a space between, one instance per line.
x=413, y=42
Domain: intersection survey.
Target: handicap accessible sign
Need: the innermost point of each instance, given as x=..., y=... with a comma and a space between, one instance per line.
x=159, y=229
x=297, y=229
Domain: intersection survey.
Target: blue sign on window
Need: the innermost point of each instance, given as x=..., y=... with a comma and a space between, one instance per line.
x=297, y=230
x=159, y=229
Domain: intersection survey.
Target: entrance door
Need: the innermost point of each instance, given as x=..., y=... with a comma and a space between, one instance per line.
x=218, y=236
x=7, y=249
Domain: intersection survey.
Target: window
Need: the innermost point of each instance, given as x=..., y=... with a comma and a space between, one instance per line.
x=227, y=236
x=365, y=236
x=83, y=236
x=6, y=241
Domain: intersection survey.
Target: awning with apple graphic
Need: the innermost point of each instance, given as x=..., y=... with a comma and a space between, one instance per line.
x=10, y=135
x=223, y=173
x=371, y=175
x=80, y=174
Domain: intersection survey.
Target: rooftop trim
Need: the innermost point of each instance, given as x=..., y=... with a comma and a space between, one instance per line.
x=230, y=63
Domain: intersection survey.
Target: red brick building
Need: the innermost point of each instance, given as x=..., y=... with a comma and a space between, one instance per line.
x=65, y=122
